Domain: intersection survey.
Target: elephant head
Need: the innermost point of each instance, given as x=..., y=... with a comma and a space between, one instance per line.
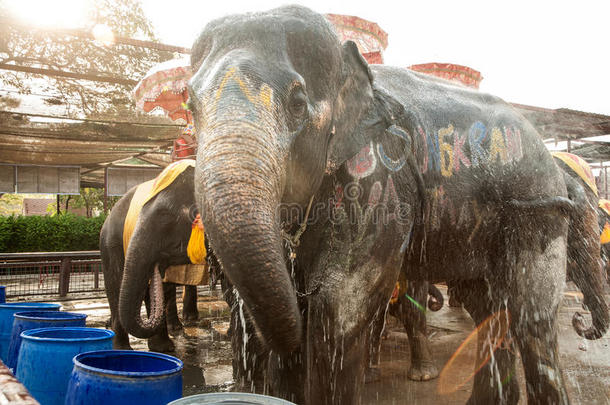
x=275, y=97
x=159, y=239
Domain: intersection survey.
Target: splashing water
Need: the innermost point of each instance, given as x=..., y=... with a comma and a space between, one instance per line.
x=242, y=320
x=494, y=329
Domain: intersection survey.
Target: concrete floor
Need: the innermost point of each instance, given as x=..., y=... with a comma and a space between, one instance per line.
x=207, y=355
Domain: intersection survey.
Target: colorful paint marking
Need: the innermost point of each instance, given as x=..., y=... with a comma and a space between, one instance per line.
x=389, y=163
x=445, y=152
x=264, y=97
x=363, y=164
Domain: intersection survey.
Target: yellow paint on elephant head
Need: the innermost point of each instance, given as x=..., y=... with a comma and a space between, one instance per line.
x=146, y=191
x=263, y=98
x=579, y=166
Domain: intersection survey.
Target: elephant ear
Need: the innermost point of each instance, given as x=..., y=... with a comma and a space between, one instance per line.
x=354, y=100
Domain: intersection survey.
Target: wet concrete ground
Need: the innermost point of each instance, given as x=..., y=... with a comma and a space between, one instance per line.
x=206, y=352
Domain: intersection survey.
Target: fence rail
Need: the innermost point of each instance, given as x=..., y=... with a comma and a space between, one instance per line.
x=51, y=273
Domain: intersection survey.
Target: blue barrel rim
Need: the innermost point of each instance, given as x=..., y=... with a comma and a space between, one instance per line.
x=28, y=305
x=179, y=365
x=29, y=315
x=27, y=334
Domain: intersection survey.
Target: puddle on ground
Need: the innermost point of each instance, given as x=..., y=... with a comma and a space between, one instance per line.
x=206, y=352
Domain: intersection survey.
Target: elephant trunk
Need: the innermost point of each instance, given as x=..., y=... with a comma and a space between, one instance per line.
x=133, y=291
x=237, y=183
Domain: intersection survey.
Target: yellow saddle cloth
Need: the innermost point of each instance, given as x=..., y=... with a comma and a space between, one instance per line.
x=191, y=274
x=579, y=166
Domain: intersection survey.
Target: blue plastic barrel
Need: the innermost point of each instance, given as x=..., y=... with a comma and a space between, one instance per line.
x=38, y=319
x=7, y=310
x=45, y=358
x=230, y=398
x=2, y=294
x=124, y=377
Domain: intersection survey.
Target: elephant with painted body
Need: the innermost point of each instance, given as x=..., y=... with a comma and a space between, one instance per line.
x=363, y=170
x=159, y=239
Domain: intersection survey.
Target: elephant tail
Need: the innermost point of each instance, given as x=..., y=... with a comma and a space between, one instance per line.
x=436, y=300
x=559, y=203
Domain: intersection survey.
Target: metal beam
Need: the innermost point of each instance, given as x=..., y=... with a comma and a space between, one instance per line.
x=72, y=75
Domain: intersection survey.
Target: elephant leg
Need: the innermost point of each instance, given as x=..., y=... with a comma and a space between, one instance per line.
x=413, y=317
x=112, y=283
x=495, y=381
x=190, y=313
x=174, y=325
x=160, y=342
x=372, y=372
x=534, y=322
x=453, y=301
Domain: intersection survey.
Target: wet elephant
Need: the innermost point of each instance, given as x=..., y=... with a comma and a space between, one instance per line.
x=159, y=238
x=363, y=171
x=583, y=264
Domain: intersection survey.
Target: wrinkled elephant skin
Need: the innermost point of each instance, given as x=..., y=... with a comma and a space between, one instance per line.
x=396, y=170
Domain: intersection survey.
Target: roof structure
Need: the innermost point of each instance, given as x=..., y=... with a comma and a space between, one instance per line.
x=36, y=131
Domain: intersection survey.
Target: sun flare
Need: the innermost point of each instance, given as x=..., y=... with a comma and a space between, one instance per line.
x=53, y=14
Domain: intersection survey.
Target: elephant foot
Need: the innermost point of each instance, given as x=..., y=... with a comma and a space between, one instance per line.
x=175, y=328
x=121, y=345
x=161, y=344
x=191, y=318
x=424, y=372
x=372, y=374
x=453, y=302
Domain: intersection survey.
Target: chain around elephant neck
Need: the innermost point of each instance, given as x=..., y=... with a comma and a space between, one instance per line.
x=295, y=240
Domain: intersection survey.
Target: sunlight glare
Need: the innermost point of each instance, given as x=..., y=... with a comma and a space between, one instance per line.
x=54, y=14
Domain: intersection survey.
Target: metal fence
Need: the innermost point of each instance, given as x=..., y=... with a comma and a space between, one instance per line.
x=51, y=273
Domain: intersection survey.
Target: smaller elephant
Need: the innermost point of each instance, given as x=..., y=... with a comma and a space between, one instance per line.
x=159, y=237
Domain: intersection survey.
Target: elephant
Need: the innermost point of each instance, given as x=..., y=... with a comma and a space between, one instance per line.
x=584, y=265
x=408, y=174
x=160, y=238
x=583, y=260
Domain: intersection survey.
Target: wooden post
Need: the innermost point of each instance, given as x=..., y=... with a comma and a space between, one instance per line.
x=64, y=276
x=58, y=210
x=569, y=146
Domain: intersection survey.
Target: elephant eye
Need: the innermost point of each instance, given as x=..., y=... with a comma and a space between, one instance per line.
x=297, y=104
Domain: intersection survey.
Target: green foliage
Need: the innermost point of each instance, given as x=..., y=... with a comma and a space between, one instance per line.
x=11, y=204
x=57, y=233
x=58, y=50
x=92, y=199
